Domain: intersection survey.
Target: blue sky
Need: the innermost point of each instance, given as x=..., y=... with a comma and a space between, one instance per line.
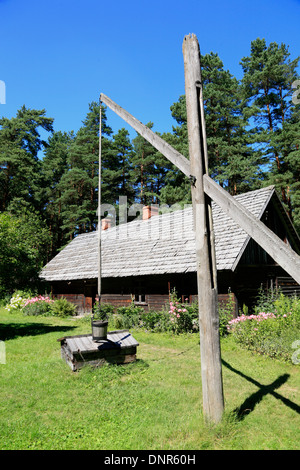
x=60, y=55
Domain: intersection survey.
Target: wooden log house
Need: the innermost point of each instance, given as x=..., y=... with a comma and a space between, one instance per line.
x=147, y=258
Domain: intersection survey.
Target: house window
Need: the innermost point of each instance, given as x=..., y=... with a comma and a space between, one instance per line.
x=139, y=293
x=140, y=298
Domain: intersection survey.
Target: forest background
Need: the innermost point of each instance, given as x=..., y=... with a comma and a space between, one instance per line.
x=253, y=136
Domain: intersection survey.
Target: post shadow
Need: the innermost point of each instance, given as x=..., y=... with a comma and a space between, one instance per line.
x=249, y=404
x=13, y=330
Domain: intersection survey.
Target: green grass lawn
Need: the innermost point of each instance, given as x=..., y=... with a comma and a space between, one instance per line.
x=154, y=403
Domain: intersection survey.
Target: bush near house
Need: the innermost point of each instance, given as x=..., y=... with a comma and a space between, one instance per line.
x=273, y=333
x=40, y=305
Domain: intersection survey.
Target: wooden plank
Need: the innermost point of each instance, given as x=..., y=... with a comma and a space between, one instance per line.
x=72, y=345
x=79, y=344
x=161, y=145
x=65, y=354
x=103, y=352
x=211, y=365
x=74, y=336
x=84, y=344
x=125, y=339
x=282, y=254
x=125, y=359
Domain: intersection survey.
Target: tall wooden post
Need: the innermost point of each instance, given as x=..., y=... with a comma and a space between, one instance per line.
x=211, y=368
x=99, y=204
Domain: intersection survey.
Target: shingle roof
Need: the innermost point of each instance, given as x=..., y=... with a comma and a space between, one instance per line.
x=163, y=244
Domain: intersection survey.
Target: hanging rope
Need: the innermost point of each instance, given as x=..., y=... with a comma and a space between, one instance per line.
x=99, y=205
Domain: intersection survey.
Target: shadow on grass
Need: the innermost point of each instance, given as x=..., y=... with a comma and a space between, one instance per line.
x=249, y=404
x=13, y=330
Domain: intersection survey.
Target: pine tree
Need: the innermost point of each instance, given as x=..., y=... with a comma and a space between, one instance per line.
x=232, y=159
x=78, y=186
x=143, y=161
x=120, y=174
x=267, y=88
x=20, y=143
x=151, y=170
x=54, y=166
x=286, y=143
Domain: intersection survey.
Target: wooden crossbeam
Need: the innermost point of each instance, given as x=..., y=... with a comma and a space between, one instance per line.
x=288, y=259
x=160, y=144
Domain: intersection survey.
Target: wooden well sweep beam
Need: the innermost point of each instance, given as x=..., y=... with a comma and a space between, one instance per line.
x=288, y=259
x=161, y=145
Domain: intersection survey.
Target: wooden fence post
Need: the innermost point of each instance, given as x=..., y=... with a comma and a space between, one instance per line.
x=211, y=367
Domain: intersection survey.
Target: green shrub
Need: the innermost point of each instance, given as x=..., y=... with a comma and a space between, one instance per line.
x=4, y=299
x=156, y=321
x=38, y=308
x=265, y=300
x=62, y=308
x=129, y=316
x=226, y=310
x=103, y=311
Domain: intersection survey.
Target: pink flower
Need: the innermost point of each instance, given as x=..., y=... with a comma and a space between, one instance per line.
x=39, y=298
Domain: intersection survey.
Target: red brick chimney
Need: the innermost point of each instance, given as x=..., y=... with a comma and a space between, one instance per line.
x=106, y=223
x=150, y=211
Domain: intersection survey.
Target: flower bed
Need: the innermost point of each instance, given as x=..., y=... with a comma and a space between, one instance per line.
x=271, y=333
x=40, y=305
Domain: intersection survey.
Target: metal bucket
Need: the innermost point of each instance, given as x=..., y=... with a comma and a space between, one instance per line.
x=99, y=330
